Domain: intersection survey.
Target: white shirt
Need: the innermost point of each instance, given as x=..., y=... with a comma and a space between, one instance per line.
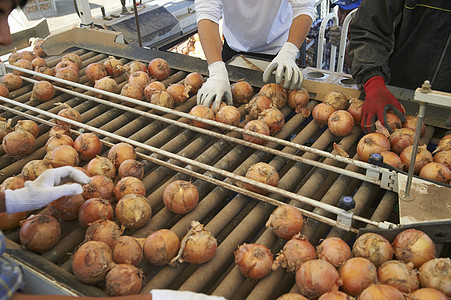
x=259, y=26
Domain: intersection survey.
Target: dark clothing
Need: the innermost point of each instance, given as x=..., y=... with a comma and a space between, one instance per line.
x=403, y=41
x=228, y=53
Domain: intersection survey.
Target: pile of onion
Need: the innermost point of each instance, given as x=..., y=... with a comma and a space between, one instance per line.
x=381, y=291
x=334, y=250
x=357, y=274
x=372, y=143
x=264, y=173
x=159, y=69
x=374, y=247
x=180, y=196
x=131, y=167
x=42, y=91
x=162, y=98
x=298, y=99
x=69, y=113
x=316, y=277
x=422, y=158
x=414, y=246
x=399, y=275
x=63, y=155
x=32, y=169
x=294, y=253
x=179, y=92
x=203, y=112
x=92, y=261
x=275, y=93
x=66, y=207
x=242, y=92
x=435, y=273
x=58, y=140
x=100, y=165
x=285, y=221
x=436, y=171
x=228, y=114
x=73, y=57
x=195, y=81
x=18, y=143
x=103, y=230
x=274, y=118
x=95, y=209
x=12, y=81
x=88, y=146
x=28, y=126
x=127, y=250
x=258, y=127
x=129, y=185
x=95, y=71
x=254, y=260
x=340, y=123
x=113, y=67
x=132, y=91
x=99, y=187
x=337, y=100
x=321, y=113
x=401, y=139
x=123, y=280
x=107, y=84
x=39, y=233
x=161, y=247
x=133, y=211
x=257, y=105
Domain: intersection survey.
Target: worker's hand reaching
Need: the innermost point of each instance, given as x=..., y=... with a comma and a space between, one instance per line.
x=286, y=69
x=334, y=35
x=217, y=87
x=378, y=100
x=181, y=295
x=47, y=187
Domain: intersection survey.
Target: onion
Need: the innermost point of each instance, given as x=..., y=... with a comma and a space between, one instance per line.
x=40, y=233
x=179, y=92
x=131, y=167
x=103, y=230
x=32, y=169
x=161, y=246
x=18, y=143
x=66, y=64
x=132, y=91
x=66, y=207
x=13, y=57
x=123, y=280
x=321, y=113
x=38, y=62
x=27, y=55
x=73, y=57
x=228, y=115
x=28, y=126
x=152, y=87
x=372, y=143
x=242, y=92
x=5, y=127
x=25, y=64
x=95, y=209
x=159, y=69
x=63, y=155
x=436, y=171
x=381, y=291
x=392, y=159
x=334, y=250
x=37, y=50
x=136, y=66
x=12, y=183
x=180, y=196
x=95, y=71
x=42, y=91
x=4, y=91
x=197, y=246
x=444, y=144
x=414, y=246
x=340, y=123
x=423, y=158
x=285, y=221
x=92, y=261
x=12, y=81
x=428, y=294
x=58, y=140
x=398, y=275
x=443, y=157
x=100, y=165
x=264, y=173
x=357, y=274
x=411, y=122
x=67, y=73
x=133, y=211
x=99, y=187
x=273, y=118
x=400, y=139
x=59, y=129
x=88, y=146
x=257, y=105
x=162, y=98
x=195, y=81
x=294, y=253
x=316, y=277
x=393, y=121
x=335, y=295
x=254, y=260
x=373, y=247
x=69, y=113
x=275, y=93
x=355, y=109
x=43, y=70
x=291, y=296
x=337, y=100
x=204, y=112
x=11, y=221
x=435, y=273
x=297, y=99
x=107, y=84
x=258, y=127
x=129, y=185
x=139, y=78
x=127, y=250
x=114, y=67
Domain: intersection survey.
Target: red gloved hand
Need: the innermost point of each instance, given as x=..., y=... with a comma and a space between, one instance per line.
x=377, y=101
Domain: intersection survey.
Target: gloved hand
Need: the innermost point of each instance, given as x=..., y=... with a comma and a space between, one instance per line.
x=216, y=88
x=286, y=69
x=335, y=35
x=181, y=295
x=377, y=101
x=45, y=189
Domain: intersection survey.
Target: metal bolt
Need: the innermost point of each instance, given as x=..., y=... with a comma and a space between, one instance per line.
x=426, y=86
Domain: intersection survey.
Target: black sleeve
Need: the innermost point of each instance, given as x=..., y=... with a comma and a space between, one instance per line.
x=372, y=38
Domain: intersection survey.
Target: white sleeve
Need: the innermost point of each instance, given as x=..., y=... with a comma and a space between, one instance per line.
x=303, y=7
x=208, y=9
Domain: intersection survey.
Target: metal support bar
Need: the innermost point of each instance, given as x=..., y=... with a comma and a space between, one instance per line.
x=84, y=12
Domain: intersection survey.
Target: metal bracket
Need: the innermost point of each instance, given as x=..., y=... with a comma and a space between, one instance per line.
x=2, y=69
x=344, y=219
x=388, y=179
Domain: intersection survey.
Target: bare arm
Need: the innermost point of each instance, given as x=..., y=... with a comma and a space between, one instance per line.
x=210, y=40
x=299, y=30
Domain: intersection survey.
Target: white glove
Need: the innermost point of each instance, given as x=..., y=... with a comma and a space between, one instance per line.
x=286, y=69
x=181, y=295
x=45, y=189
x=216, y=87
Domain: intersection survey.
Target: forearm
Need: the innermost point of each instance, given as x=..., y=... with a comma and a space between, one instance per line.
x=299, y=30
x=2, y=202
x=210, y=40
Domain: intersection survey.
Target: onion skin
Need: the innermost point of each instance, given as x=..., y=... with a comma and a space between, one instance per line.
x=392, y=159
x=66, y=207
x=67, y=73
x=18, y=143
x=357, y=274
x=372, y=143
x=340, y=123
x=99, y=187
x=34, y=168
x=88, y=146
x=321, y=113
x=103, y=230
x=257, y=105
x=264, y=173
x=100, y=165
x=12, y=81
x=152, y=88
x=139, y=78
x=66, y=64
x=435, y=273
x=63, y=155
x=127, y=250
x=92, y=261
x=40, y=233
x=200, y=245
x=337, y=100
x=94, y=209
x=121, y=152
x=254, y=260
x=195, y=81
x=428, y=294
x=258, y=127
x=133, y=211
x=70, y=113
x=422, y=158
x=179, y=92
x=400, y=139
x=180, y=196
x=58, y=140
x=228, y=115
x=106, y=84
x=291, y=296
x=436, y=171
x=159, y=69
x=123, y=280
x=443, y=157
x=294, y=253
x=334, y=250
x=355, y=109
x=136, y=66
x=373, y=247
x=132, y=91
x=411, y=122
x=297, y=99
x=285, y=221
x=95, y=71
x=59, y=129
x=382, y=292
x=73, y=57
x=114, y=67
x=28, y=126
x=129, y=185
x=162, y=98
x=42, y=91
x=335, y=295
x=204, y=112
x=393, y=121
x=161, y=246
x=316, y=277
x=131, y=168
x=273, y=118
x=25, y=64
x=275, y=93
x=414, y=246
x=242, y=92
x=398, y=275
x=43, y=70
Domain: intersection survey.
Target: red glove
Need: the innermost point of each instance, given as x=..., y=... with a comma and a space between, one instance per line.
x=377, y=101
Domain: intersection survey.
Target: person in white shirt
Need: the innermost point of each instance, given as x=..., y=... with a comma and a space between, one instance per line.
x=276, y=28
